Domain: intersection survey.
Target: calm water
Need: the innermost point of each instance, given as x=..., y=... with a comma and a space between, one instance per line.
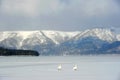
x=45, y=68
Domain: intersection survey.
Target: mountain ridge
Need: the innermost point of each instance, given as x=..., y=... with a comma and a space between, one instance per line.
x=48, y=42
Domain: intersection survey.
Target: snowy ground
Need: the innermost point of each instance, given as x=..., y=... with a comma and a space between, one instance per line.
x=45, y=68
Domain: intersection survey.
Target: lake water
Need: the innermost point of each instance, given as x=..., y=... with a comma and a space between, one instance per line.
x=45, y=68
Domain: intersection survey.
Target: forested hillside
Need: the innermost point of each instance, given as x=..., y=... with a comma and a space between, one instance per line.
x=11, y=52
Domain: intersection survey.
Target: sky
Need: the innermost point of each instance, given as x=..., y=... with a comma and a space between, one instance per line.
x=65, y=15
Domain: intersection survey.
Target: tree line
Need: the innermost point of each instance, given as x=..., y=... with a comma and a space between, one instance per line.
x=14, y=52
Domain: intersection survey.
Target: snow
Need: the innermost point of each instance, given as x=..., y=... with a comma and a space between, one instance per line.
x=39, y=34
x=25, y=34
x=103, y=34
x=118, y=37
x=59, y=36
x=45, y=68
x=4, y=35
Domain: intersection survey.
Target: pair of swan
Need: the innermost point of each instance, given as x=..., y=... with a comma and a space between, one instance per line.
x=74, y=67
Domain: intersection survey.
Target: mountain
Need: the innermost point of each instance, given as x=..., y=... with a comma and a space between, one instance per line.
x=48, y=42
x=118, y=37
x=102, y=34
x=113, y=48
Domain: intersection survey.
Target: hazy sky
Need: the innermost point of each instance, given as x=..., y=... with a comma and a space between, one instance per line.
x=68, y=15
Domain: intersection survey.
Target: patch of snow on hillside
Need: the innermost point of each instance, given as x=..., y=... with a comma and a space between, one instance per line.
x=58, y=36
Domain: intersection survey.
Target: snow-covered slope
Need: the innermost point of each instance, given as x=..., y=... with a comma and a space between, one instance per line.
x=33, y=37
x=118, y=37
x=59, y=37
x=103, y=34
x=46, y=41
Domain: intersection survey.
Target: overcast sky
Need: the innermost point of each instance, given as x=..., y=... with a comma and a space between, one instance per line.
x=67, y=15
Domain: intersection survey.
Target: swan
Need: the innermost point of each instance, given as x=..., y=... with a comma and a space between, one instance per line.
x=59, y=67
x=75, y=67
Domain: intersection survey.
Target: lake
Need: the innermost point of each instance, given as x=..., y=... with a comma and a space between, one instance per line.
x=45, y=68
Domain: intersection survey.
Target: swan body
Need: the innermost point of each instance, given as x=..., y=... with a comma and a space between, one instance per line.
x=60, y=67
x=75, y=67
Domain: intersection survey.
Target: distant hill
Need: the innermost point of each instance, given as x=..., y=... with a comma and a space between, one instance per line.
x=92, y=41
x=13, y=52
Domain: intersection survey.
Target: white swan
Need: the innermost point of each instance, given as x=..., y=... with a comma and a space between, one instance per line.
x=75, y=67
x=59, y=67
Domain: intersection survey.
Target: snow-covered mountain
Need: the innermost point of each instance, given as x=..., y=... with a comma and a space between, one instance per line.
x=118, y=37
x=102, y=34
x=56, y=37
x=57, y=42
